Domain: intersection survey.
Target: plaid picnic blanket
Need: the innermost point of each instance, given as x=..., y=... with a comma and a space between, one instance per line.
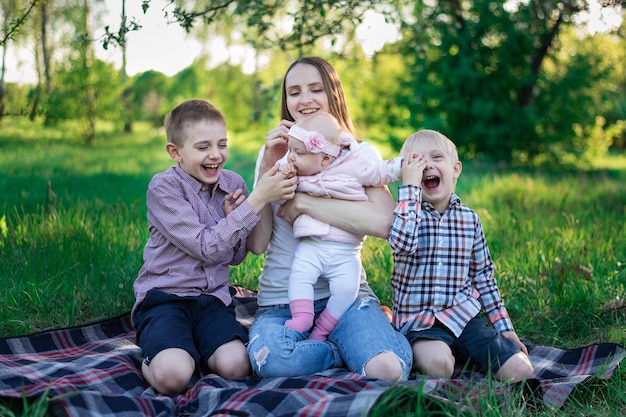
x=95, y=370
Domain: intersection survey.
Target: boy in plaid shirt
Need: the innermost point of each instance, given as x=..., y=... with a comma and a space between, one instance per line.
x=443, y=275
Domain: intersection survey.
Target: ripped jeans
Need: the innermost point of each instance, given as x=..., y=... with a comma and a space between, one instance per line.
x=362, y=333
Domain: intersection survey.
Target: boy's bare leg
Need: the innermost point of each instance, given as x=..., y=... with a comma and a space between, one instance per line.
x=230, y=360
x=433, y=357
x=169, y=371
x=517, y=368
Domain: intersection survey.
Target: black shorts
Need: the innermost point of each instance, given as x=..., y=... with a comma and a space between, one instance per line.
x=479, y=343
x=198, y=324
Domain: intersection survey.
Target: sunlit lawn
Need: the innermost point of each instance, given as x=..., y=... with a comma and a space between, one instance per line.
x=73, y=226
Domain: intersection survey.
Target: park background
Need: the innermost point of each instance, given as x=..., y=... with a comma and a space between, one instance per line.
x=535, y=100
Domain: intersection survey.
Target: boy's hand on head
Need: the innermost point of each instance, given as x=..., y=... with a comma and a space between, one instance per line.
x=233, y=200
x=413, y=166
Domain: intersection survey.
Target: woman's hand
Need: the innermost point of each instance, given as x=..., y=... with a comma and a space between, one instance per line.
x=275, y=145
x=290, y=209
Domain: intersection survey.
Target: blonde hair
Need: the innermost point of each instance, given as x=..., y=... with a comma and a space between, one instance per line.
x=189, y=111
x=432, y=136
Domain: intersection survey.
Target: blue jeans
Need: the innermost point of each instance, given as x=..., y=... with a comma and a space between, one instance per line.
x=362, y=333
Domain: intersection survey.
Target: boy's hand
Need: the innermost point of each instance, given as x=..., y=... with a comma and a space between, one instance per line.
x=512, y=336
x=274, y=185
x=233, y=200
x=413, y=166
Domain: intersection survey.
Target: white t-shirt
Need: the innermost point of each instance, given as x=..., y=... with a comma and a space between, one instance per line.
x=274, y=278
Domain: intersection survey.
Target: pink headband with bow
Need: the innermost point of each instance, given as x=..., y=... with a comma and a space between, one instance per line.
x=314, y=142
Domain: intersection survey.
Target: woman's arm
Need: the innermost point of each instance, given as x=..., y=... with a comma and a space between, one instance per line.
x=373, y=217
x=274, y=185
x=274, y=149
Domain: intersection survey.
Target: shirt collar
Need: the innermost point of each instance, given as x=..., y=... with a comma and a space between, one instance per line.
x=454, y=201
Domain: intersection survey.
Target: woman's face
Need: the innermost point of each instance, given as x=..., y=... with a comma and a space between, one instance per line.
x=305, y=92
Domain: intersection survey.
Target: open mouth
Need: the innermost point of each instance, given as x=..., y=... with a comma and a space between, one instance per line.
x=431, y=181
x=309, y=111
x=210, y=167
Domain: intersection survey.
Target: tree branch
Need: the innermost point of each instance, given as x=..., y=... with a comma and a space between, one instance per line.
x=16, y=23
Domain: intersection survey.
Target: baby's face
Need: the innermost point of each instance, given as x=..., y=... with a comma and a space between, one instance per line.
x=305, y=162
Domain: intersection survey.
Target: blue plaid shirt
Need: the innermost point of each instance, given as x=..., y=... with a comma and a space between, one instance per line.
x=442, y=266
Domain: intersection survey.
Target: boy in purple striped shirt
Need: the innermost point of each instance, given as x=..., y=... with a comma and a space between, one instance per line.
x=443, y=275
x=200, y=216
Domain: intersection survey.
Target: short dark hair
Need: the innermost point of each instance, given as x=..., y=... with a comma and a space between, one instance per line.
x=189, y=111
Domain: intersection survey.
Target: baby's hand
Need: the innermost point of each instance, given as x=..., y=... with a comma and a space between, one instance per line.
x=288, y=170
x=413, y=167
x=233, y=200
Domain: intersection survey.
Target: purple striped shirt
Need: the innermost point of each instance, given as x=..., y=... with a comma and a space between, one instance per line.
x=192, y=242
x=442, y=266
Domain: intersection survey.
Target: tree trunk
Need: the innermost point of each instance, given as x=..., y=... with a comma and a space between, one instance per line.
x=41, y=61
x=2, y=87
x=45, y=53
x=127, y=98
x=88, y=89
x=526, y=95
x=7, y=12
x=34, y=108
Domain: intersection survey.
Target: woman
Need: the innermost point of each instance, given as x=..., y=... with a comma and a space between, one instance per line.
x=363, y=340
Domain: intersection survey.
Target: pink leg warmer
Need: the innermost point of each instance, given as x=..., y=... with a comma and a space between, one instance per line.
x=323, y=326
x=302, y=315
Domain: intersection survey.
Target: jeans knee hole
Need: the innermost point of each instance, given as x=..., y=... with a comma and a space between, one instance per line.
x=365, y=302
x=260, y=356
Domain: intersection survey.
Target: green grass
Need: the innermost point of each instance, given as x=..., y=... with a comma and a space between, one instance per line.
x=73, y=225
